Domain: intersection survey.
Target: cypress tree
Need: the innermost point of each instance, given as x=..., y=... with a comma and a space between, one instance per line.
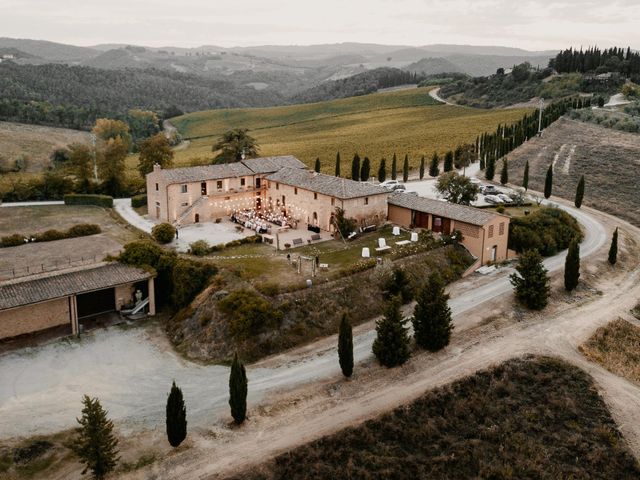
x=355, y=168
x=338, y=164
x=382, y=171
x=504, y=173
x=365, y=170
x=238, y=391
x=525, y=178
x=95, y=442
x=391, y=345
x=432, y=316
x=531, y=282
x=345, y=346
x=405, y=169
x=394, y=167
x=422, y=167
x=317, y=166
x=613, y=249
x=579, y=193
x=572, y=266
x=482, y=163
x=548, y=182
x=434, y=169
x=490, y=171
x=176, y=417
x=448, y=161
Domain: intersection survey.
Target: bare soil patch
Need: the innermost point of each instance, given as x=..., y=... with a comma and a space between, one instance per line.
x=616, y=347
x=609, y=160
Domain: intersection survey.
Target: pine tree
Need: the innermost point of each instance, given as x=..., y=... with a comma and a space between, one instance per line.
x=317, y=166
x=525, y=178
x=613, y=249
x=504, y=173
x=391, y=345
x=176, y=417
x=422, y=167
x=345, y=347
x=95, y=443
x=338, y=164
x=382, y=171
x=238, y=391
x=548, y=182
x=579, y=192
x=365, y=170
x=431, y=320
x=490, y=171
x=448, y=161
x=405, y=169
x=394, y=167
x=355, y=168
x=531, y=283
x=434, y=169
x=572, y=266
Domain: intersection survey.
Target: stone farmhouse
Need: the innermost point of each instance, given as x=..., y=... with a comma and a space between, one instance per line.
x=282, y=188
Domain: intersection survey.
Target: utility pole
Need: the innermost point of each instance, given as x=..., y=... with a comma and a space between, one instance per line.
x=540, y=108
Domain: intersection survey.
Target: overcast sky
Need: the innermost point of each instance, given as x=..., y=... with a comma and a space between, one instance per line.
x=533, y=25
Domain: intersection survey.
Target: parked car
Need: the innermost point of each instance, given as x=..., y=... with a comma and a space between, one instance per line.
x=475, y=181
x=505, y=198
x=493, y=199
x=390, y=184
x=399, y=188
x=489, y=190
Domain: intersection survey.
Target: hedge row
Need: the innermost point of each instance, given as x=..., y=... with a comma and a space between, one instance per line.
x=80, y=230
x=201, y=248
x=138, y=201
x=86, y=199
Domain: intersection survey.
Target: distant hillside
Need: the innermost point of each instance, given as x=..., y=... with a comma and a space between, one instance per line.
x=112, y=92
x=360, y=84
x=430, y=66
x=50, y=51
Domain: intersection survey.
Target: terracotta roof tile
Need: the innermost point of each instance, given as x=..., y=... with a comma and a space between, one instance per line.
x=461, y=213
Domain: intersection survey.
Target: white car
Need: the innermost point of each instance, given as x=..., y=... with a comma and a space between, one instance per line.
x=390, y=184
x=493, y=199
x=505, y=198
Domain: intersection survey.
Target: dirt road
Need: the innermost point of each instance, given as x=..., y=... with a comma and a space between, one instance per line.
x=435, y=94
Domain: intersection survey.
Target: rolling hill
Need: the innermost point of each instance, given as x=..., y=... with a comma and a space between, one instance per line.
x=376, y=125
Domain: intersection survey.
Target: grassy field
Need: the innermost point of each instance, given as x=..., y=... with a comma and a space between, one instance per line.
x=608, y=159
x=534, y=417
x=615, y=347
x=376, y=125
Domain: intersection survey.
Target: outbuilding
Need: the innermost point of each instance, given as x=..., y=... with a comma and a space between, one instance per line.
x=63, y=299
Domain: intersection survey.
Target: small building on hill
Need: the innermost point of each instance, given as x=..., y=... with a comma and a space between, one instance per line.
x=63, y=299
x=485, y=234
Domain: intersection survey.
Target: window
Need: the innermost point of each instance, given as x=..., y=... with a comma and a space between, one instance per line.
x=277, y=186
x=366, y=200
x=258, y=182
x=490, y=231
x=219, y=184
x=183, y=188
x=157, y=187
x=333, y=202
x=242, y=182
x=203, y=188
x=315, y=196
x=501, y=228
x=295, y=190
x=283, y=203
x=157, y=204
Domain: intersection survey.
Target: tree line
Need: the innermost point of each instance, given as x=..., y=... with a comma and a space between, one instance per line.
x=595, y=60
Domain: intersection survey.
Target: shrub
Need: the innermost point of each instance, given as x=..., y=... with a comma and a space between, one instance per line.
x=189, y=278
x=547, y=230
x=12, y=240
x=86, y=199
x=50, y=235
x=249, y=314
x=500, y=209
x=138, y=201
x=163, y=232
x=83, y=230
x=199, y=248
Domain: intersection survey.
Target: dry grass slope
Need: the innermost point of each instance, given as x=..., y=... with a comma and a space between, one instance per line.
x=374, y=125
x=533, y=417
x=616, y=347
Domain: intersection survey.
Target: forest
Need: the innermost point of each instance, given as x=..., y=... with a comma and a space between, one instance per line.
x=593, y=60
